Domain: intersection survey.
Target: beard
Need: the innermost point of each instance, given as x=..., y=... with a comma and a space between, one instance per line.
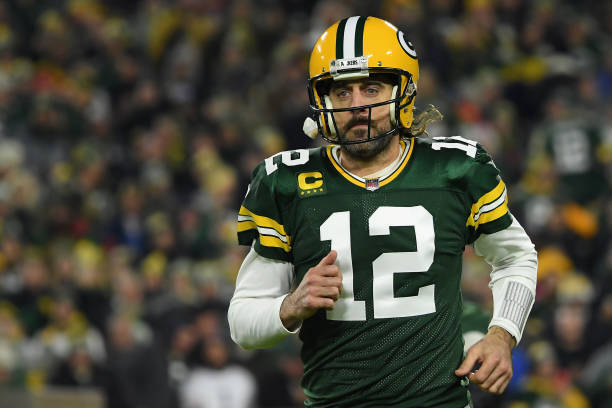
x=369, y=149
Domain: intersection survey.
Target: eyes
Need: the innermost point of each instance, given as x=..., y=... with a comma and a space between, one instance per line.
x=369, y=90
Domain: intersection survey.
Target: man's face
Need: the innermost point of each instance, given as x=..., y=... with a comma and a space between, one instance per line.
x=353, y=125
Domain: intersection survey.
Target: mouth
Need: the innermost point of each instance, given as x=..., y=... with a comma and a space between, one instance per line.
x=359, y=125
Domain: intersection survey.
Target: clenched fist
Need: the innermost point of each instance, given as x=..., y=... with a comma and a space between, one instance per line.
x=319, y=289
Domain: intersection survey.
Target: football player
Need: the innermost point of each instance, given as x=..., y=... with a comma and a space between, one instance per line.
x=357, y=246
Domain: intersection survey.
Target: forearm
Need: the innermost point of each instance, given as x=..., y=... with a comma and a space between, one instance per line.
x=288, y=316
x=513, y=278
x=254, y=312
x=503, y=335
x=513, y=298
x=256, y=323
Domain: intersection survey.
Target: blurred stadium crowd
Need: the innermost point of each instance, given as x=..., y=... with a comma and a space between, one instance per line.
x=128, y=131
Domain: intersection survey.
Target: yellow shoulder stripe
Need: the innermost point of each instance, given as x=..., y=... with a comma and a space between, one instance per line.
x=489, y=197
x=270, y=241
x=271, y=233
x=493, y=215
x=262, y=221
x=246, y=225
x=489, y=207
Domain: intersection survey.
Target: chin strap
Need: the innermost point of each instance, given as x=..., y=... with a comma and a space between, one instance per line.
x=310, y=128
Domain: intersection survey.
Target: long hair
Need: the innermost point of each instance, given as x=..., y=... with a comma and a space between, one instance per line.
x=422, y=120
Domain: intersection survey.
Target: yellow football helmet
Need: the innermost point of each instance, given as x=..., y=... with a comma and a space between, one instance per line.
x=357, y=47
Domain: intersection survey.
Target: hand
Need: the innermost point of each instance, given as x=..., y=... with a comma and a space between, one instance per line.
x=319, y=289
x=493, y=352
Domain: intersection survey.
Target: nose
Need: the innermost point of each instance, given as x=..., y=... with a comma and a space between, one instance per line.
x=357, y=99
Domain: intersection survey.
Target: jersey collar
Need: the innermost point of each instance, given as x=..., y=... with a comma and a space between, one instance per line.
x=407, y=147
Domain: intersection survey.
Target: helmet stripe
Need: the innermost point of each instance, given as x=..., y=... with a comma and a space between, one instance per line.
x=340, y=39
x=349, y=37
x=359, y=36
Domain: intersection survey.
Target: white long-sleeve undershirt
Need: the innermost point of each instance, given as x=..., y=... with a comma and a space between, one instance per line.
x=254, y=311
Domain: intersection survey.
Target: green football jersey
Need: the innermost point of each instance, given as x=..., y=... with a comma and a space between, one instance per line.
x=394, y=336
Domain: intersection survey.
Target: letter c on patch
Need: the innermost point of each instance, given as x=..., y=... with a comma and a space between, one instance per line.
x=310, y=180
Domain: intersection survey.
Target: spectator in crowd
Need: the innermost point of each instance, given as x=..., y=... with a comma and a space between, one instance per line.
x=220, y=383
x=79, y=370
x=138, y=372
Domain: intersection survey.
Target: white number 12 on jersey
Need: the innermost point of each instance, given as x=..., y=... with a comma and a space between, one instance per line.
x=337, y=230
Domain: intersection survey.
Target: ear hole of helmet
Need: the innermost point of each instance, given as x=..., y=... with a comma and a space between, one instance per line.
x=323, y=86
x=331, y=125
x=392, y=106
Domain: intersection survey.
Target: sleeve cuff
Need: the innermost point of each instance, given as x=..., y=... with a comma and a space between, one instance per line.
x=283, y=330
x=508, y=326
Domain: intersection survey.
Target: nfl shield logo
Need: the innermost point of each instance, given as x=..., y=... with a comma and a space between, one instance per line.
x=371, y=184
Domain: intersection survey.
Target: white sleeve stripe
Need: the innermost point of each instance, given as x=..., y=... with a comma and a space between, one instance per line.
x=272, y=233
x=491, y=206
x=263, y=230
